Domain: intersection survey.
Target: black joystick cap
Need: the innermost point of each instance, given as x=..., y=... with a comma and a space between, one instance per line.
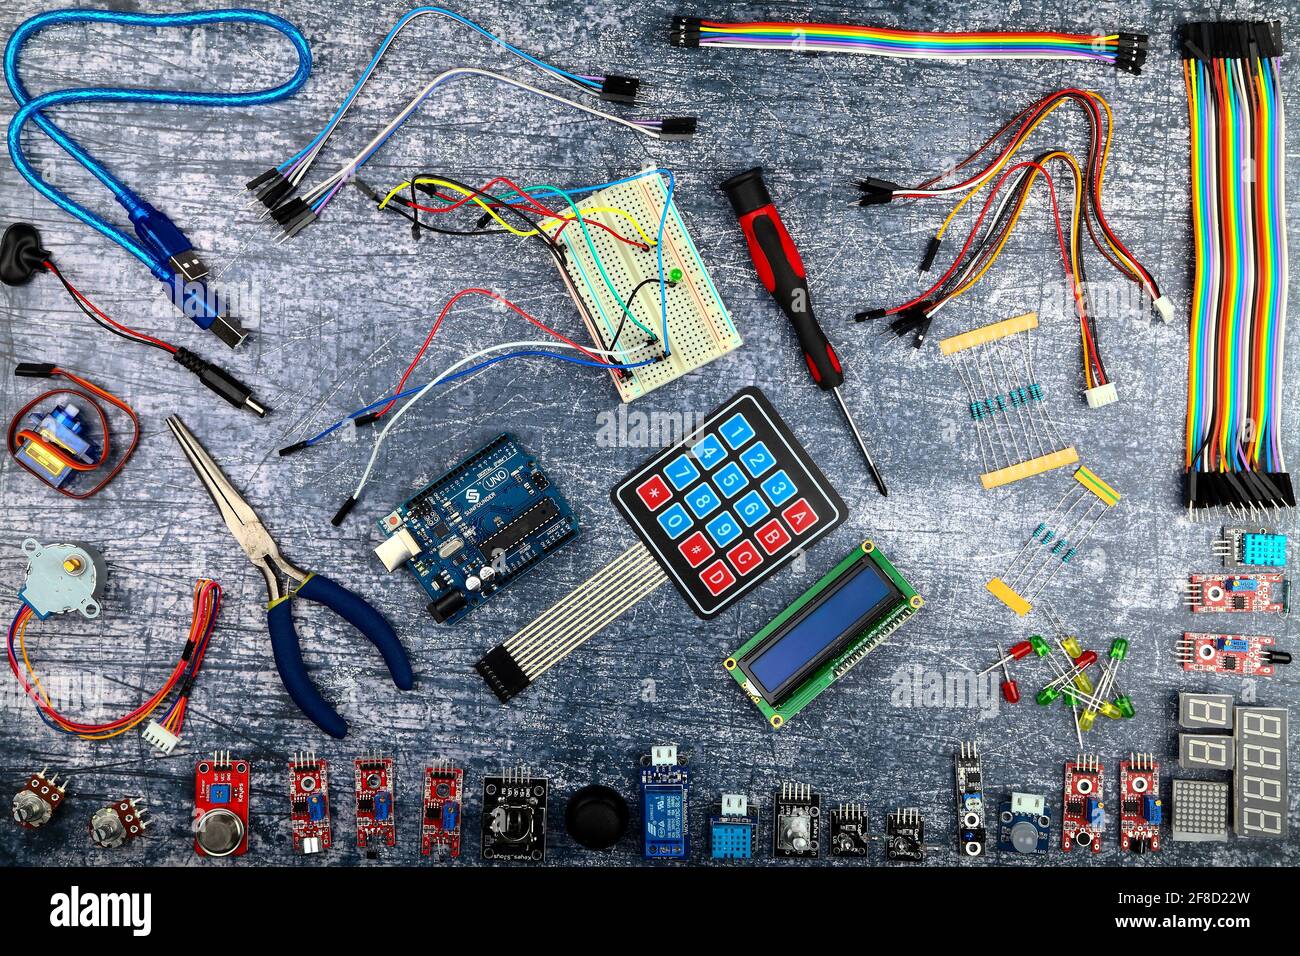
x=596, y=817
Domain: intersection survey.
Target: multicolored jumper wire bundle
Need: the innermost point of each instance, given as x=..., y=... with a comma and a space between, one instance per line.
x=1239, y=288
x=1000, y=212
x=1124, y=51
x=276, y=187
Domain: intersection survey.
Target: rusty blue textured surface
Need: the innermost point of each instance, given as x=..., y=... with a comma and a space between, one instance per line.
x=338, y=310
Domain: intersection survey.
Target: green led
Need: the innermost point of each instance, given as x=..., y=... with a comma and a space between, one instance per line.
x=675, y=275
x=1125, y=706
x=1047, y=695
x=1119, y=648
x=1041, y=647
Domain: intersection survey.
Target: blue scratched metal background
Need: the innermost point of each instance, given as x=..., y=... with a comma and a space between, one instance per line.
x=338, y=310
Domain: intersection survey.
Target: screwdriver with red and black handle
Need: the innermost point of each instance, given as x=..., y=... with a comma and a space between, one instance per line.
x=781, y=271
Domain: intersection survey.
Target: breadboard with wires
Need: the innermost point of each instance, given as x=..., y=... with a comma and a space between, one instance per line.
x=1017, y=439
x=1055, y=541
x=617, y=289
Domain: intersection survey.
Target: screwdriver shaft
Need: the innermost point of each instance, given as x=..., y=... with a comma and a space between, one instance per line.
x=853, y=426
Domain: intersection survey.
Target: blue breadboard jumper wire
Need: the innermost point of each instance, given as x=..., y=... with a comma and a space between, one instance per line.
x=157, y=239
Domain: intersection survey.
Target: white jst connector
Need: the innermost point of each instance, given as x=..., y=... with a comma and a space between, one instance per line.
x=160, y=738
x=1164, y=307
x=1101, y=396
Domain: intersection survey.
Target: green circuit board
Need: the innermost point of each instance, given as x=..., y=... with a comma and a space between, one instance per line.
x=825, y=633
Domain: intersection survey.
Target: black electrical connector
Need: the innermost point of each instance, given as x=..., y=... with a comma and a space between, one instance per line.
x=931, y=253
x=619, y=89
x=341, y=515
x=220, y=381
x=34, y=370
x=677, y=127
x=875, y=191
x=685, y=31
x=271, y=188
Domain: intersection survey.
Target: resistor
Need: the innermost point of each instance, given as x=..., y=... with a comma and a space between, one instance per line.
x=1036, y=391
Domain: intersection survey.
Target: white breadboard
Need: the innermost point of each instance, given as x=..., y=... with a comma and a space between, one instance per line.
x=699, y=327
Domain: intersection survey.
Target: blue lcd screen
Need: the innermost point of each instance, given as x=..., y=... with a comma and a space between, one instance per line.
x=821, y=628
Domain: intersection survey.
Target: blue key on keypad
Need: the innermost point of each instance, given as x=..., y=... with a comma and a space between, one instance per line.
x=702, y=501
x=736, y=430
x=757, y=459
x=779, y=488
x=752, y=509
x=730, y=480
x=723, y=529
x=675, y=521
x=681, y=471
x=709, y=451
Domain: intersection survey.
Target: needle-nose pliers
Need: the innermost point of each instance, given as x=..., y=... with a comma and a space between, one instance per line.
x=261, y=549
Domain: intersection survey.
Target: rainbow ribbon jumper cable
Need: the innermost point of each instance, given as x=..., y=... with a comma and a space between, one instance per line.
x=1239, y=287
x=1124, y=51
x=157, y=241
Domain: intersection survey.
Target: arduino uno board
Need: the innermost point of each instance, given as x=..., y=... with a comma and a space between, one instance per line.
x=478, y=528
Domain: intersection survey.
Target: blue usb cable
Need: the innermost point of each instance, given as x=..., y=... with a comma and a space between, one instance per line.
x=157, y=242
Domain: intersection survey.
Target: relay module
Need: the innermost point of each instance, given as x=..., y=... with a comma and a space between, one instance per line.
x=478, y=528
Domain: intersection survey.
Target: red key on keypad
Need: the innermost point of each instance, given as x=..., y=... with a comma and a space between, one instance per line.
x=745, y=557
x=800, y=516
x=654, y=492
x=773, y=537
x=717, y=577
x=696, y=549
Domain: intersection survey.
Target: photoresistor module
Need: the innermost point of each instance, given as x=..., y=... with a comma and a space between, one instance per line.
x=665, y=785
x=376, y=809
x=827, y=631
x=479, y=528
x=309, y=803
x=905, y=836
x=850, y=831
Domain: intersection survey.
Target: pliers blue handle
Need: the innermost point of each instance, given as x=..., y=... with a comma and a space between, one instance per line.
x=265, y=555
x=288, y=651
